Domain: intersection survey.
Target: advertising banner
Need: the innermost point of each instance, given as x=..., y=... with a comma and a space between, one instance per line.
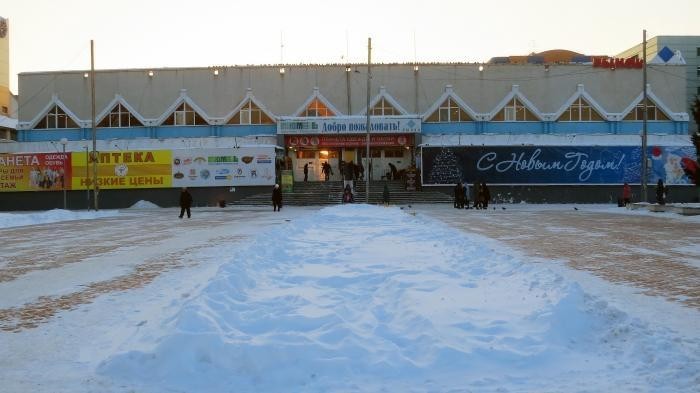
x=244, y=166
x=124, y=169
x=349, y=125
x=556, y=164
x=348, y=140
x=35, y=172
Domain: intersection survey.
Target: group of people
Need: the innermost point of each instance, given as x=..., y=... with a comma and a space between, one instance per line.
x=482, y=195
x=661, y=193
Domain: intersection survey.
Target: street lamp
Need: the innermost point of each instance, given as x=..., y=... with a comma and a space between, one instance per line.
x=64, y=141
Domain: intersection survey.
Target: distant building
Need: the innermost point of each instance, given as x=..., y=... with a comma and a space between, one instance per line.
x=8, y=121
x=554, y=56
x=689, y=47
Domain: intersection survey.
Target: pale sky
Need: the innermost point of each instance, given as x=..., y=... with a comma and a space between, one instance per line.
x=49, y=35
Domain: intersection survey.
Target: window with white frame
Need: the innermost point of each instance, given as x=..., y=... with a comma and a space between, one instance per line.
x=580, y=110
x=384, y=108
x=56, y=118
x=449, y=112
x=184, y=115
x=514, y=110
x=317, y=109
x=250, y=114
x=653, y=113
x=119, y=116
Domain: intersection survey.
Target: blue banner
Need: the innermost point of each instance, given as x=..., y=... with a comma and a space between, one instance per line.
x=556, y=164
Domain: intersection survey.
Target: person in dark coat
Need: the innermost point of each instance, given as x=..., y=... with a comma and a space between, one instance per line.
x=306, y=172
x=385, y=195
x=661, y=192
x=361, y=169
x=276, y=198
x=348, y=173
x=185, y=202
x=459, y=196
x=477, y=195
x=394, y=172
x=347, y=195
x=485, y=195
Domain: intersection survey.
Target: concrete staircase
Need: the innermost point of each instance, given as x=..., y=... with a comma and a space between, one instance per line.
x=331, y=192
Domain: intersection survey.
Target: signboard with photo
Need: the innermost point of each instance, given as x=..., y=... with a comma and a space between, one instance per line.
x=244, y=166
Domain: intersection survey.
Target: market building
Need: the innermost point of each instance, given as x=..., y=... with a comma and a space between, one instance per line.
x=570, y=130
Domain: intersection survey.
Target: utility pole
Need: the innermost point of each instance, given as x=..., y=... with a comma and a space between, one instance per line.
x=644, y=123
x=94, y=125
x=369, y=87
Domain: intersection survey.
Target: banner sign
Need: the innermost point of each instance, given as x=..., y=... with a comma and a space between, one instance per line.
x=349, y=125
x=35, y=172
x=348, y=140
x=244, y=166
x=556, y=164
x=124, y=169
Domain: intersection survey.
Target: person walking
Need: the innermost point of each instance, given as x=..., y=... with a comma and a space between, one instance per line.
x=385, y=195
x=477, y=195
x=661, y=192
x=457, y=195
x=276, y=198
x=185, y=203
x=485, y=195
x=306, y=172
x=348, y=173
x=465, y=194
x=626, y=194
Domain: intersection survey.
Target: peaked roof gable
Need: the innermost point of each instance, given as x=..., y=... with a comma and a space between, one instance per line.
x=316, y=95
x=392, y=101
x=515, y=93
x=55, y=101
x=659, y=104
x=118, y=99
x=249, y=97
x=449, y=93
x=580, y=93
x=183, y=98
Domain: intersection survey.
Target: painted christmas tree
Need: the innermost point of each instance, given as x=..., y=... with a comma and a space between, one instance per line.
x=445, y=169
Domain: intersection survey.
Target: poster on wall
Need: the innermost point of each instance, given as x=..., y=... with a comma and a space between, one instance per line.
x=124, y=169
x=35, y=172
x=556, y=164
x=243, y=166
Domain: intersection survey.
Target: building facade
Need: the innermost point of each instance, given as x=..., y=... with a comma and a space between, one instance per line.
x=431, y=116
x=8, y=121
x=689, y=47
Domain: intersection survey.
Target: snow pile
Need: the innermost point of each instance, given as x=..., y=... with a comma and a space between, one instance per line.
x=144, y=205
x=363, y=298
x=8, y=220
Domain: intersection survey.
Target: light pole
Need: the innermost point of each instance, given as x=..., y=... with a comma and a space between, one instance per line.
x=64, y=141
x=87, y=176
x=369, y=86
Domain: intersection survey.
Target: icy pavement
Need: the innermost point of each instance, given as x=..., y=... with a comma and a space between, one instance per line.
x=350, y=298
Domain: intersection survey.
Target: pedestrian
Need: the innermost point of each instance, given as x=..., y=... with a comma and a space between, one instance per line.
x=385, y=195
x=347, y=195
x=326, y=169
x=477, y=195
x=465, y=194
x=361, y=169
x=626, y=194
x=306, y=172
x=394, y=172
x=458, y=196
x=276, y=198
x=485, y=195
x=348, y=173
x=185, y=202
x=661, y=192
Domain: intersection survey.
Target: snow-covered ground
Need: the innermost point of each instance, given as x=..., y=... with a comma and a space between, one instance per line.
x=352, y=298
